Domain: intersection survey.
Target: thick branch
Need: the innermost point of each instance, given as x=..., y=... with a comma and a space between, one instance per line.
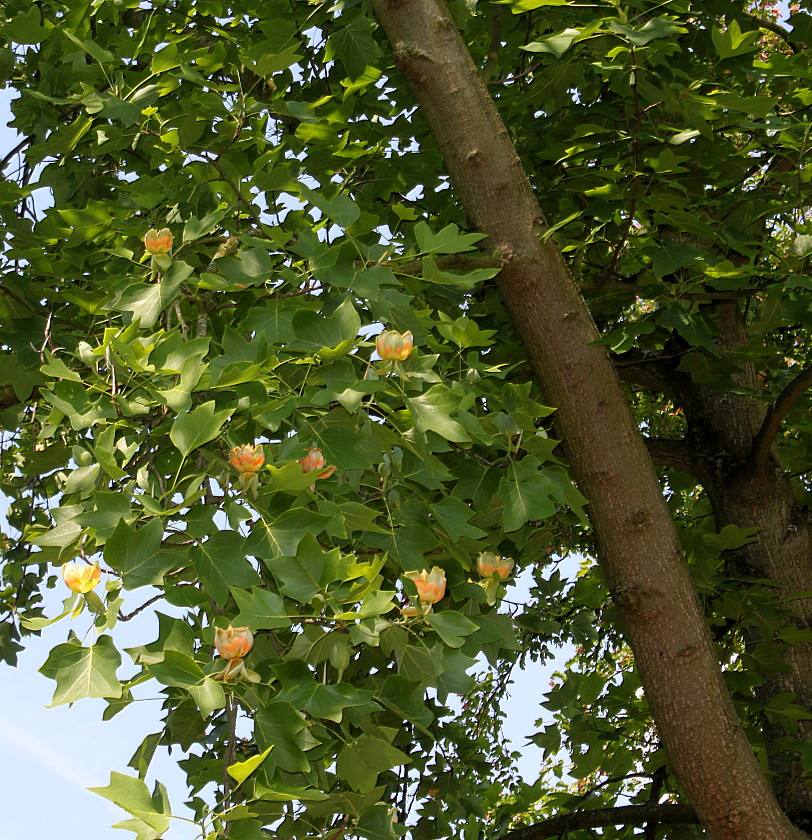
x=602, y=817
x=776, y=28
x=763, y=441
x=667, y=452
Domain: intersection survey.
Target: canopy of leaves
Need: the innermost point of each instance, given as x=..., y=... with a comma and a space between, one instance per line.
x=310, y=210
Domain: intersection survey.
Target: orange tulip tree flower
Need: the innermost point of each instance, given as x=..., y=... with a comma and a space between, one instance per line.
x=430, y=585
x=490, y=564
x=247, y=460
x=314, y=460
x=81, y=578
x=494, y=569
x=233, y=644
x=158, y=241
x=393, y=346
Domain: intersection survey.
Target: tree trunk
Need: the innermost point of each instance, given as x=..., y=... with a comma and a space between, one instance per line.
x=637, y=545
x=722, y=428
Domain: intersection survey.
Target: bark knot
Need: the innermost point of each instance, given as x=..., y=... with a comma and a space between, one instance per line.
x=637, y=521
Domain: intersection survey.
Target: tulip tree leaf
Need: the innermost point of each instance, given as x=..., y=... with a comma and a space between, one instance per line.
x=83, y=671
x=134, y=797
x=304, y=576
x=135, y=553
x=220, y=562
x=241, y=770
x=362, y=760
x=189, y=431
x=180, y=670
x=452, y=627
x=260, y=610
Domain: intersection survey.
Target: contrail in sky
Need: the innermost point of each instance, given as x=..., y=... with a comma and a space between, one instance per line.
x=49, y=757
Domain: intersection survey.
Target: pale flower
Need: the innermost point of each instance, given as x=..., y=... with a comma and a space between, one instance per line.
x=490, y=564
x=430, y=585
x=246, y=458
x=234, y=642
x=158, y=241
x=393, y=346
x=81, y=578
x=314, y=460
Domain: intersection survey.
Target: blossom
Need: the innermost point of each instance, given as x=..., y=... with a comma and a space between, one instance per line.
x=430, y=585
x=490, y=564
x=393, y=346
x=81, y=578
x=158, y=241
x=233, y=643
x=314, y=460
x=246, y=459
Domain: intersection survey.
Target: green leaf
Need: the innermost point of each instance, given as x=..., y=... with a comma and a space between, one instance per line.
x=281, y=726
x=354, y=46
x=556, y=44
x=330, y=337
x=147, y=302
x=83, y=671
x=135, y=554
x=448, y=241
x=650, y=31
x=260, y=610
x=453, y=515
x=362, y=760
x=530, y=492
x=304, y=576
x=26, y=27
x=731, y=41
x=134, y=797
x=189, y=431
x=279, y=534
x=432, y=412
x=452, y=627
x=180, y=670
x=221, y=563
x=241, y=770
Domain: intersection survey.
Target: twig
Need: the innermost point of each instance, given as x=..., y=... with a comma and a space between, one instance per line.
x=134, y=613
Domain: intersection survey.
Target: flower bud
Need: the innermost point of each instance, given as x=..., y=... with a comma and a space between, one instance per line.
x=246, y=459
x=393, y=346
x=490, y=564
x=430, y=585
x=158, y=241
x=234, y=642
x=81, y=578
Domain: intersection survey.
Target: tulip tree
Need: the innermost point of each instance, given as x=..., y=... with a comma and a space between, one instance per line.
x=322, y=323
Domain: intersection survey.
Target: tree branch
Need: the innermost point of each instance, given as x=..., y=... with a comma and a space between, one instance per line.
x=763, y=441
x=775, y=28
x=453, y=262
x=669, y=452
x=601, y=817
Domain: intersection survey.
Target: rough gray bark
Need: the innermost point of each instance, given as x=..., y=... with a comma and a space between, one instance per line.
x=637, y=545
